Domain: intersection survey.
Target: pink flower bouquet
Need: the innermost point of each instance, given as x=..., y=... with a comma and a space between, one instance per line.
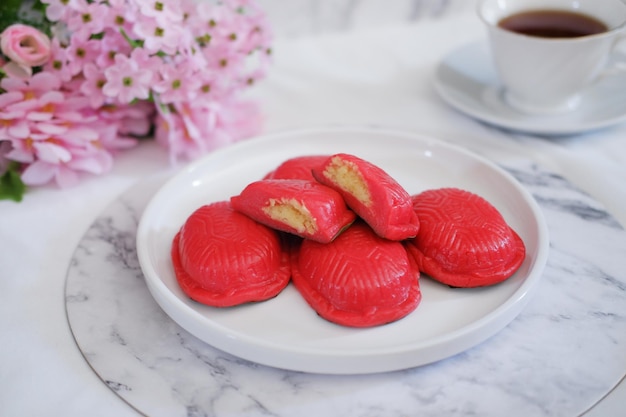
x=112, y=71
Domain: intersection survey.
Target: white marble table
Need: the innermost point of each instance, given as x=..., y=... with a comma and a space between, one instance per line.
x=526, y=369
x=372, y=76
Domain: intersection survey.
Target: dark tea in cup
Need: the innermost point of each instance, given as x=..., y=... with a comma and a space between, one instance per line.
x=553, y=24
x=548, y=53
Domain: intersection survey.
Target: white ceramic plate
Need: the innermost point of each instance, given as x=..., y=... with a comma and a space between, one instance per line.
x=285, y=332
x=466, y=79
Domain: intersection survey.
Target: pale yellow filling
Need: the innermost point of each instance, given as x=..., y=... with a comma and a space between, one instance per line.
x=346, y=175
x=292, y=213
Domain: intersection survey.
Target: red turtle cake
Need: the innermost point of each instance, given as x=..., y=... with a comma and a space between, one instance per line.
x=372, y=193
x=305, y=208
x=357, y=280
x=223, y=258
x=463, y=240
x=355, y=245
x=299, y=167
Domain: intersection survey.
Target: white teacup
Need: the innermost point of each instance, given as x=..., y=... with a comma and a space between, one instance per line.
x=546, y=75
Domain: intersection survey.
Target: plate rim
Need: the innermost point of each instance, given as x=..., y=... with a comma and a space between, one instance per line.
x=397, y=356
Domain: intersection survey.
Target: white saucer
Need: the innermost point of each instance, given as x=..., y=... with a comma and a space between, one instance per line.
x=466, y=80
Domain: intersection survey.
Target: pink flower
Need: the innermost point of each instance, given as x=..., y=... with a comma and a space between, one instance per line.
x=224, y=60
x=92, y=86
x=58, y=63
x=112, y=43
x=40, y=172
x=57, y=9
x=25, y=46
x=126, y=81
x=119, y=16
x=178, y=83
x=111, y=138
x=135, y=119
x=22, y=149
x=59, y=152
x=80, y=51
x=87, y=18
x=208, y=16
x=165, y=12
x=192, y=130
x=117, y=70
x=172, y=134
x=12, y=122
x=32, y=88
x=161, y=38
x=152, y=62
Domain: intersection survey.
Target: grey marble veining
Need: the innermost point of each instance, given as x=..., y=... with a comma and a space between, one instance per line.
x=557, y=358
x=555, y=192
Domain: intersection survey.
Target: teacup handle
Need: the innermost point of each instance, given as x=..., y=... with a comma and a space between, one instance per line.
x=617, y=64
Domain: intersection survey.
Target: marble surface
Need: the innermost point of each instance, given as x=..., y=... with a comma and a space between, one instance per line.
x=368, y=64
x=559, y=357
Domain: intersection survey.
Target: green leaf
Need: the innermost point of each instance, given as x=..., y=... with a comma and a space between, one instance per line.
x=134, y=43
x=11, y=185
x=28, y=12
x=8, y=12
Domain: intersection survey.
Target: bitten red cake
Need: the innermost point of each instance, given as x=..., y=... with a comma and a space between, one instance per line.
x=305, y=208
x=374, y=195
x=358, y=280
x=223, y=258
x=463, y=240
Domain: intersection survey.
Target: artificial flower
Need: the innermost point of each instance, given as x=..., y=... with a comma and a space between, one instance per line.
x=25, y=46
x=117, y=70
